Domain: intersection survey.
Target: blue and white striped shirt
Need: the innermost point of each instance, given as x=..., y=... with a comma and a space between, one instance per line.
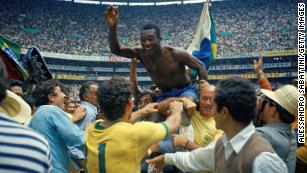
x=22, y=149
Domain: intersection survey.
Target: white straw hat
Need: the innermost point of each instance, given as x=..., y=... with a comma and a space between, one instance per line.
x=16, y=108
x=286, y=97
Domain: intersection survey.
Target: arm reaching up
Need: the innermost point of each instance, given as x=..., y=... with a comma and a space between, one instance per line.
x=262, y=80
x=133, y=77
x=111, y=17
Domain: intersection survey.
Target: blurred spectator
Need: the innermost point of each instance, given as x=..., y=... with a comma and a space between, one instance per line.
x=29, y=99
x=16, y=155
x=277, y=111
x=88, y=97
x=52, y=122
x=16, y=87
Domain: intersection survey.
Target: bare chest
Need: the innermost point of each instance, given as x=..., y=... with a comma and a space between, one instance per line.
x=163, y=66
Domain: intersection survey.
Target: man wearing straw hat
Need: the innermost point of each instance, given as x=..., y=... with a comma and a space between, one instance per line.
x=277, y=111
x=16, y=155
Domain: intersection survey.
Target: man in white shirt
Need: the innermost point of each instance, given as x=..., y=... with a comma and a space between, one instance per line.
x=240, y=149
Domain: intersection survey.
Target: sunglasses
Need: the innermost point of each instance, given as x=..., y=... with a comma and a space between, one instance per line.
x=264, y=100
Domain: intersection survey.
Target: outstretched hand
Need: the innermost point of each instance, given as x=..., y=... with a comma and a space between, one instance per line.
x=111, y=16
x=157, y=162
x=258, y=64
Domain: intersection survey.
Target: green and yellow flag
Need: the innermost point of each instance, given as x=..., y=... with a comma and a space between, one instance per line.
x=11, y=51
x=204, y=45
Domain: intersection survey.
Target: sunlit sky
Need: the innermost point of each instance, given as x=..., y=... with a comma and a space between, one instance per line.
x=131, y=3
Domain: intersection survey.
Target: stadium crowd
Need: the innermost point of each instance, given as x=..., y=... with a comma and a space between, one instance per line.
x=114, y=126
x=109, y=128
x=64, y=27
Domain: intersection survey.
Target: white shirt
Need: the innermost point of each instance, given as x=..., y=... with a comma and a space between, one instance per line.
x=203, y=159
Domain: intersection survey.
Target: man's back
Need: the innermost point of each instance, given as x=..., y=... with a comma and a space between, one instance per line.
x=21, y=149
x=243, y=160
x=121, y=146
x=282, y=139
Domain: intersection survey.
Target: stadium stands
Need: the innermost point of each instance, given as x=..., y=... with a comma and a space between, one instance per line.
x=65, y=27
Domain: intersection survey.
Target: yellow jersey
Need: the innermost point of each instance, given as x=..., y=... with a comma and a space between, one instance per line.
x=204, y=129
x=122, y=146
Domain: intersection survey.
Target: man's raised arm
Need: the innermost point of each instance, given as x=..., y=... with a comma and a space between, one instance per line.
x=193, y=63
x=111, y=17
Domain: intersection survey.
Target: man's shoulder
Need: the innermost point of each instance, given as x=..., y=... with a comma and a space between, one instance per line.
x=266, y=132
x=176, y=52
x=272, y=134
x=148, y=125
x=23, y=144
x=143, y=123
x=49, y=108
x=18, y=130
x=46, y=114
x=172, y=49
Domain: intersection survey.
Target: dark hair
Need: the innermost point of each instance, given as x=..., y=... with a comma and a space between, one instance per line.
x=153, y=26
x=2, y=81
x=284, y=115
x=153, y=87
x=41, y=91
x=238, y=96
x=86, y=89
x=113, y=96
x=15, y=82
x=138, y=98
x=65, y=89
x=29, y=99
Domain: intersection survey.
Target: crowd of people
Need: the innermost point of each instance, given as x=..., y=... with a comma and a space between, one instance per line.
x=111, y=127
x=183, y=124
x=72, y=28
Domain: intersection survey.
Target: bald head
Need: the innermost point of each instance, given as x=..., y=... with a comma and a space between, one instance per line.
x=206, y=94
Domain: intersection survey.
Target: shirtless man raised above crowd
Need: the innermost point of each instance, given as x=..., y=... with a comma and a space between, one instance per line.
x=165, y=64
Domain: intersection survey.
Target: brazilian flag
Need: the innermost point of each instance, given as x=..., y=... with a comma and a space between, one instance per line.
x=204, y=43
x=10, y=53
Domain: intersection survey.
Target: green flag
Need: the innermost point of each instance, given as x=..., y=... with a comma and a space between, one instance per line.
x=12, y=52
x=6, y=43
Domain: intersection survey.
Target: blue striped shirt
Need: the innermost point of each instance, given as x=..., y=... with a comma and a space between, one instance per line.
x=22, y=149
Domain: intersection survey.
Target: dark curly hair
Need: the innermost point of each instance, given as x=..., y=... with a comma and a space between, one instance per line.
x=238, y=96
x=15, y=82
x=113, y=96
x=42, y=90
x=152, y=26
x=3, y=84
